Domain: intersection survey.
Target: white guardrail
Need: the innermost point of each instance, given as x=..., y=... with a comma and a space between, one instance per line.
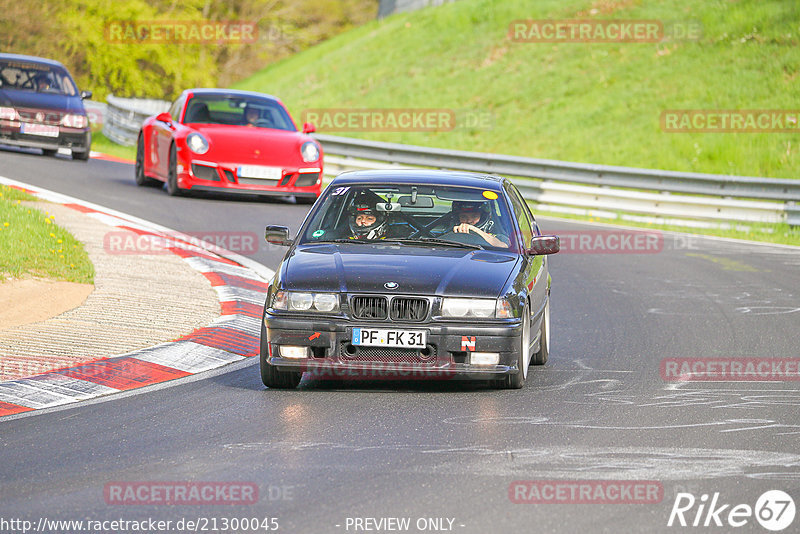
x=687, y=199
x=124, y=117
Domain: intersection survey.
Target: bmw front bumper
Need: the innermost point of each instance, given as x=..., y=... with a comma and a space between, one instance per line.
x=447, y=355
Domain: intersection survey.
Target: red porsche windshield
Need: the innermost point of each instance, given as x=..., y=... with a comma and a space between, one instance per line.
x=237, y=110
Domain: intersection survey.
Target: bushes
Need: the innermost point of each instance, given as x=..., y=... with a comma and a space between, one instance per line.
x=75, y=32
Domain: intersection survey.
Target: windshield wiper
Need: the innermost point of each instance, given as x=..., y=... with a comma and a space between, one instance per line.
x=342, y=240
x=434, y=241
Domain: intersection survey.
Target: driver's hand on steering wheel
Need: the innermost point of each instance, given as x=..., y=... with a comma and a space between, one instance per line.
x=465, y=228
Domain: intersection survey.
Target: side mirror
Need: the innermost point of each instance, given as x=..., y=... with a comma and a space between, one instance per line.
x=164, y=117
x=86, y=94
x=544, y=244
x=309, y=127
x=277, y=235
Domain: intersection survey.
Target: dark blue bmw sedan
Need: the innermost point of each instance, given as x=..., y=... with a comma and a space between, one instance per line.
x=410, y=274
x=40, y=107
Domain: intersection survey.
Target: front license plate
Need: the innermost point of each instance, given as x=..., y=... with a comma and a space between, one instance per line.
x=38, y=129
x=406, y=339
x=261, y=171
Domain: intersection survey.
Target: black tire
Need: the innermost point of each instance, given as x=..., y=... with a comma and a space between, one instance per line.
x=141, y=179
x=517, y=381
x=270, y=375
x=172, y=176
x=84, y=156
x=540, y=358
x=49, y=152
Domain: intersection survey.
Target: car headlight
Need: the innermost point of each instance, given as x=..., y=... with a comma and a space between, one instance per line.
x=304, y=301
x=459, y=307
x=309, y=151
x=73, y=120
x=197, y=143
x=300, y=301
x=326, y=302
x=9, y=114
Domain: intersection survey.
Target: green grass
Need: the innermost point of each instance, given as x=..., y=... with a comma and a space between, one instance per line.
x=32, y=244
x=101, y=143
x=596, y=103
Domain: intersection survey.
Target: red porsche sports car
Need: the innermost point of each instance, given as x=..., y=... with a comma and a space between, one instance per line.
x=230, y=141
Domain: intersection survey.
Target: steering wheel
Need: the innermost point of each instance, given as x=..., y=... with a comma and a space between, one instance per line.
x=469, y=238
x=263, y=123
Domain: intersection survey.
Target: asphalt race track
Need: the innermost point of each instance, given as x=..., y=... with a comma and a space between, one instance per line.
x=333, y=450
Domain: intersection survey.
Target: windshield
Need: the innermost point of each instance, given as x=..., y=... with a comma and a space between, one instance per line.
x=250, y=111
x=35, y=77
x=413, y=214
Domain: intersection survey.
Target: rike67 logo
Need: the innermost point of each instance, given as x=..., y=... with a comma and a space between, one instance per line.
x=774, y=510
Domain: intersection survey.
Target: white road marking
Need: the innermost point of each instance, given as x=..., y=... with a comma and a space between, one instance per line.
x=187, y=356
x=46, y=391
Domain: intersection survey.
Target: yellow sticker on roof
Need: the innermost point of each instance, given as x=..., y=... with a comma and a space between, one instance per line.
x=491, y=195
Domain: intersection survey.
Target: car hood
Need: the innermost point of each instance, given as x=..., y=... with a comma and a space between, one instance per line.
x=243, y=144
x=43, y=101
x=362, y=268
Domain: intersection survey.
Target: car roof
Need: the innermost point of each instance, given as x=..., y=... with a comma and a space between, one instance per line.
x=236, y=92
x=32, y=59
x=421, y=176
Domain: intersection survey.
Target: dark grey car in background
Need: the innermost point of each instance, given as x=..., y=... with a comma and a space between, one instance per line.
x=41, y=107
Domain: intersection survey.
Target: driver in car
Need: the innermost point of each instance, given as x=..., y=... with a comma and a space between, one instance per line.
x=42, y=83
x=251, y=116
x=366, y=222
x=476, y=217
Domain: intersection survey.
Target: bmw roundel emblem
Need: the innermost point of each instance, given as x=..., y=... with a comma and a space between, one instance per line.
x=390, y=285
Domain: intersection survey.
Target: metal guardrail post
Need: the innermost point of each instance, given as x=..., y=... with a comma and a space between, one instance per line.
x=793, y=214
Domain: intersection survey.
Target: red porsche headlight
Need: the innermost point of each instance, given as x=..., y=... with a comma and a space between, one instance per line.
x=197, y=143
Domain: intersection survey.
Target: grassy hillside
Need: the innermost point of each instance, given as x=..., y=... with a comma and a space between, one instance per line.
x=596, y=103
